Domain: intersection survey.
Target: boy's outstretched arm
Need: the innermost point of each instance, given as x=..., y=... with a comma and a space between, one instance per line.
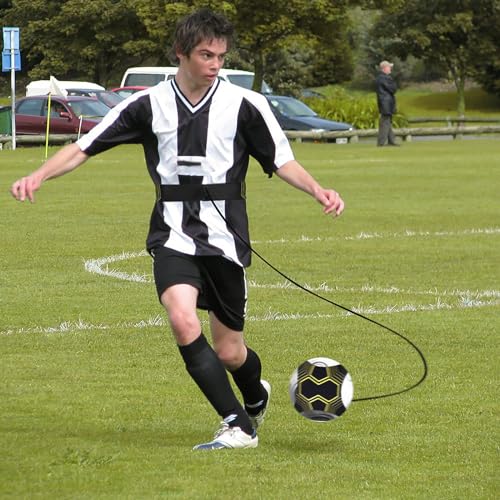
x=293, y=173
x=64, y=161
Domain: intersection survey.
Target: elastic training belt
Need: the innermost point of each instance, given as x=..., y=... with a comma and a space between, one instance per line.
x=202, y=192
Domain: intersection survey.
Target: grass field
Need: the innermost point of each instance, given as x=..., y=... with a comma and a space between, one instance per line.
x=429, y=101
x=95, y=400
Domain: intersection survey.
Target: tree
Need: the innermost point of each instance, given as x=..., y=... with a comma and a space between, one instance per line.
x=288, y=69
x=259, y=29
x=320, y=24
x=97, y=39
x=487, y=46
x=78, y=38
x=159, y=17
x=442, y=32
x=262, y=32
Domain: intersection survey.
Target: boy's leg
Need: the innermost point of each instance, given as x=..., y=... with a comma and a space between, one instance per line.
x=244, y=365
x=200, y=359
x=256, y=392
x=178, y=282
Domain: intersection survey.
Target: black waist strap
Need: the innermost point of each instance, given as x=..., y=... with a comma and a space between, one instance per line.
x=202, y=192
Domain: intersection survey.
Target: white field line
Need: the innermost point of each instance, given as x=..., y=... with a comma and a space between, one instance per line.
x=462, y=298
x=160, y=321
x=100, y=266
x=96, y=266
x=408, y=233
x=324, y=287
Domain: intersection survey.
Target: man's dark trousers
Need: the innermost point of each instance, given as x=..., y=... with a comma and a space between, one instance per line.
x=385, y=133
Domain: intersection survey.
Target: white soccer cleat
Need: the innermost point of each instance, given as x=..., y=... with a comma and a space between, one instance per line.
x=258, y=420
x=229, y=438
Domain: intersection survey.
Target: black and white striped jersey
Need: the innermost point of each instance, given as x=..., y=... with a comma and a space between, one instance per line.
x=206, y=144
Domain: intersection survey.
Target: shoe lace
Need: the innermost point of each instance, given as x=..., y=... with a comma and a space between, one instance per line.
x=224, y=426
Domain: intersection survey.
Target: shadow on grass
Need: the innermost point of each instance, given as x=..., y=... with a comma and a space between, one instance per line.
x=80, y=444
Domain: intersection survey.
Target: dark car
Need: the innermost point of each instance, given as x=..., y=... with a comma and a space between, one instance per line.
x=293, y=114
x=110, y=99
x=68, y=115
x=128, y=91
x=311, y=93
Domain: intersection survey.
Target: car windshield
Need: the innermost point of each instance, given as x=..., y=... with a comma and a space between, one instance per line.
x=146, y=79
x=109, y=98
x=246, y=81
x=292, y=107
x=89, y=108
x=126, y=93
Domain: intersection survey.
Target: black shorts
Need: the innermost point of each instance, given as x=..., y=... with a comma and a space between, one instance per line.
x=221, y=282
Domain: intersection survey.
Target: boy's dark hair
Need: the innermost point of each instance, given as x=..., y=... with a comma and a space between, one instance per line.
x=192, y=29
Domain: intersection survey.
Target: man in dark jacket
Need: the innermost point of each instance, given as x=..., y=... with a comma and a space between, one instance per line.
x=386, y=88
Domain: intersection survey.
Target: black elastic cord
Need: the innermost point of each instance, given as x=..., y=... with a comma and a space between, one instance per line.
x=359, y=315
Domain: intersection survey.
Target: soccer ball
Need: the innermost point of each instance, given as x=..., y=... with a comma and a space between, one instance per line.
x=321, y=389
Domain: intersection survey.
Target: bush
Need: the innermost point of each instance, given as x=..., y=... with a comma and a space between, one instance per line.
x=362, y=112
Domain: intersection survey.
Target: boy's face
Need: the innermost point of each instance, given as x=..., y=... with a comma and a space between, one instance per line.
x=202, y=65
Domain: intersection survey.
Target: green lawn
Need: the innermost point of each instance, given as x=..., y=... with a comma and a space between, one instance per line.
x=431, y=103
x=95, y=400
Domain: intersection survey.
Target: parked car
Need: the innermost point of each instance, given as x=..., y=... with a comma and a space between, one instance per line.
x=110, y=99
x=293, y=114
x=43, y=87
x=70, y=115
x=311, y=93
x=128, y=91
x=152, y=75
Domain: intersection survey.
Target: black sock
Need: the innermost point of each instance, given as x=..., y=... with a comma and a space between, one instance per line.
x=210, y=375
x=247, y=378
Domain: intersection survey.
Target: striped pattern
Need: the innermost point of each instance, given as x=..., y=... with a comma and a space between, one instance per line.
x=209, y=143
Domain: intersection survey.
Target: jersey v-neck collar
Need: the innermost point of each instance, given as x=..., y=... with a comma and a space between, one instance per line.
x=193, y=109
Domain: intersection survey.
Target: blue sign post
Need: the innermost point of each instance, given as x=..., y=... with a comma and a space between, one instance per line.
x=11, y=61
x=11, y=44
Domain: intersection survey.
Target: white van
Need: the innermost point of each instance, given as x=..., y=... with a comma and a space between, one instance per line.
x=149, y=76
x=42, y=87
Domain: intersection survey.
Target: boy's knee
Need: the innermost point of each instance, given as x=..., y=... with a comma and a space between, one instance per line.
x=232, y=355
x=185, y=325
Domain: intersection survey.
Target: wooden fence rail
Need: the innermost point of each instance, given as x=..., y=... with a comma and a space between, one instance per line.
x=406, y=134
x=36, y=140
x=452, y=120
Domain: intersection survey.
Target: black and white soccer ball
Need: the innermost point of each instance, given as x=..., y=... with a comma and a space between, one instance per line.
x=321, y=389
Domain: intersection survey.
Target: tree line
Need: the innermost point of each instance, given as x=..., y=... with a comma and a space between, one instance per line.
x=290, y=43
